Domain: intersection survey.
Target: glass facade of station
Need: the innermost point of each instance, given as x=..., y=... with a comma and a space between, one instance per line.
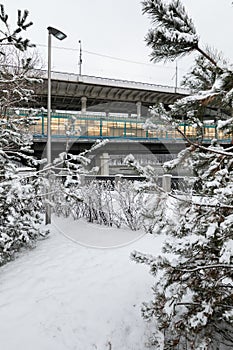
x=93, y=127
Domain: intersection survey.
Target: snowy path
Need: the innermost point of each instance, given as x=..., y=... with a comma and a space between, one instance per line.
x=65, y=296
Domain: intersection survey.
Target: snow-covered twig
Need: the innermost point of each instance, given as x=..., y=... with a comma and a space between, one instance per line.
x=204, y=267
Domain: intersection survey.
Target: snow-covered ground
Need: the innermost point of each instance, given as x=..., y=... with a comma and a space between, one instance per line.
x=66, y=294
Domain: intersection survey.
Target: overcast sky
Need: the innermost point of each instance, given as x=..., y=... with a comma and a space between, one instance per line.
x=117, y=28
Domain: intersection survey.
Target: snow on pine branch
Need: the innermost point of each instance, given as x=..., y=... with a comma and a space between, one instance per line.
x=189, y=105
x=226, y=253
x=98, y=144
x=174, y=33
x=183, y=159
x=212, y=266
x=225, y=125
x=170, y=16
x=160, y=120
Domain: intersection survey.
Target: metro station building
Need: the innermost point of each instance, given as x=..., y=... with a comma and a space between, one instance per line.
x=109, y=108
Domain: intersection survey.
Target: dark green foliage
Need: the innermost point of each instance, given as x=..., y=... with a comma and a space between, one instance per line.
x=193, y=302
x=20, y=195
x=193, y=290
x=173, y=34
x=11, y=37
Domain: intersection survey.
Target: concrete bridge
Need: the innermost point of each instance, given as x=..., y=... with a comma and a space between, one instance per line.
x=73, y=92
x=107, y=108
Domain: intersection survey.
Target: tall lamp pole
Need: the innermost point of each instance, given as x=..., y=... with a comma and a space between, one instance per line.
x=59, y=35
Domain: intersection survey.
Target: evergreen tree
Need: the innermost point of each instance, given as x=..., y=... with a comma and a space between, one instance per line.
x=193, y=298
x=20, y=195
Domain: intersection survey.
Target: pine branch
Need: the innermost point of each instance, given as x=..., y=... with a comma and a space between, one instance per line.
x=3, y=16
x=201, y=205
x=208, y=57
x=196, y=145
x=167, y=45
x=171, y=16
x=205, y=267
x=12, y=37
x=174, y=34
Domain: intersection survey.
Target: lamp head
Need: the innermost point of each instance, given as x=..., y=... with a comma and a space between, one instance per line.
x=57, y=33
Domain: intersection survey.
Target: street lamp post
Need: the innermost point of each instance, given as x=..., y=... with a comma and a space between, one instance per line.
x=59, y=35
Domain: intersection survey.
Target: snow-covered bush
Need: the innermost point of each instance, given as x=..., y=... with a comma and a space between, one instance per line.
x=129, y=204
x=102, y=202
x=67, y=196
x=98, y=202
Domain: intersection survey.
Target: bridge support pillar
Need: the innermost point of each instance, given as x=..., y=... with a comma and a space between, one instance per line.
x=139, y=109
x=82, y=179
x=104, y=164
x=166, y=182
x=83, y=104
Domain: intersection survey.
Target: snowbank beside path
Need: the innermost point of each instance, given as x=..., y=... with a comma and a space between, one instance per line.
x=65, y=296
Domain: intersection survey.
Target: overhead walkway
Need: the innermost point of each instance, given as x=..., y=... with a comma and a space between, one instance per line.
x=91, y=126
